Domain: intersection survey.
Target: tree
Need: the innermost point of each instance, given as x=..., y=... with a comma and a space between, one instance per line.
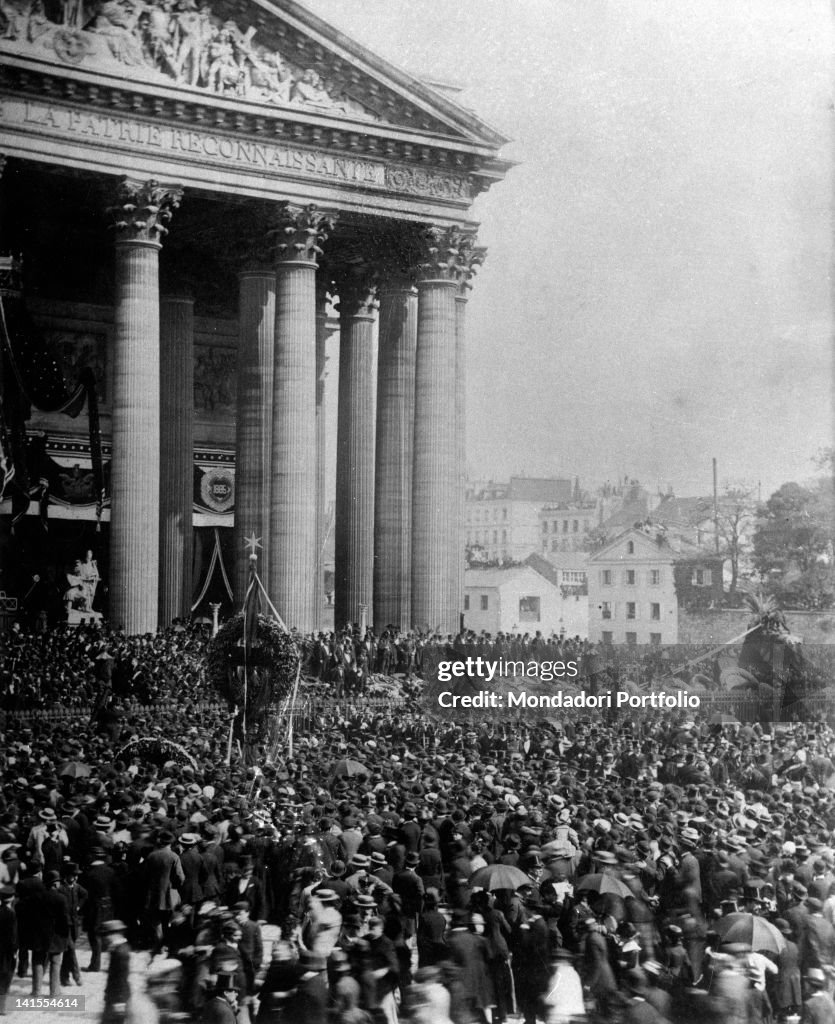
x=793, y=544
x=736, y=513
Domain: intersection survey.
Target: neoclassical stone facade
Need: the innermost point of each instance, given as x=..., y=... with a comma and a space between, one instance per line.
x=242, y=163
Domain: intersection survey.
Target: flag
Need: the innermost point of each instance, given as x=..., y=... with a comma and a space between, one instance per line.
x=252, y=609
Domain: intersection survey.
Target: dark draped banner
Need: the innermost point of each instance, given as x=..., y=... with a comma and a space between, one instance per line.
x=32, y=377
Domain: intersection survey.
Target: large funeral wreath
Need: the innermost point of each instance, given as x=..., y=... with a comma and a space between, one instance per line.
x=271, y=666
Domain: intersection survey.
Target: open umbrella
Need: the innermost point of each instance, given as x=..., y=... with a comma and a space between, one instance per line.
x=752, y=930
x=349, y=768
x=603, y=883
x=75, y=770
x=498, y=876
x=722, y=718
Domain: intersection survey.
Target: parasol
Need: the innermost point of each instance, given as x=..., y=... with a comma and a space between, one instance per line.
x=498, y=876
x=752, y=930
x=75, y=770
x=602, y=883
x=350, y=768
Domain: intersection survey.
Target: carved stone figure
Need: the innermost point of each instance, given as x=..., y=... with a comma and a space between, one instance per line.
x=181, y=40
x=117, y=21
x=83, y=581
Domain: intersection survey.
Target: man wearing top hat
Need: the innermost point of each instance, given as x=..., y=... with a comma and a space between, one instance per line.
x=102, y=887
x=76, y=896
x=222, y=1007
x=163, y=873
x=57, y=914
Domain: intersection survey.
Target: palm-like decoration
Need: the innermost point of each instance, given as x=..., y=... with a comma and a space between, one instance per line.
x=766, y=614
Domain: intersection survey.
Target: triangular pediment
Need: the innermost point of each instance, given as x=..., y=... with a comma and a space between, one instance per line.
x=277, y=56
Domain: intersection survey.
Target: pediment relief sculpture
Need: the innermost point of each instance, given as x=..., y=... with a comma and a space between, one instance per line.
x=167, y=40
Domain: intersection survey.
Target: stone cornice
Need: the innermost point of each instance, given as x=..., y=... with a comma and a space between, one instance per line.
x=422, y=153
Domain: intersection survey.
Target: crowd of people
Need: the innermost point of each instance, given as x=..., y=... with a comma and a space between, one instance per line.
x=70, y=665
x=393, y=867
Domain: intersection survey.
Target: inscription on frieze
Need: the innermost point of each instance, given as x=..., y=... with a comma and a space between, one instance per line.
x=220, y=148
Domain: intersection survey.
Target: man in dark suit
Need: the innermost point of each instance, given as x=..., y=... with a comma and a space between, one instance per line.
x=817, y=940
x=222, y=1007
x=250, y=945
x=8, y=942
x=76, y=897
x=58, y=919
x=101, y=884
x=409, y=887
x=194, y=869
x=117, y=987
x=163, y=872
x=32, y=926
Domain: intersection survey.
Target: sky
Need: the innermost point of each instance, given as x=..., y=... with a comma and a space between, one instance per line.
x=658, y=285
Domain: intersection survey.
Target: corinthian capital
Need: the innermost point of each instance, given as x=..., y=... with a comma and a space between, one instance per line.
x=356, y=286
x=300, y=232
x=143, y=209
x=448, y=254
x=470, y=258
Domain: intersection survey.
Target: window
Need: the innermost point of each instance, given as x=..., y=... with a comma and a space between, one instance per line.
x=466, y=602
x=485, y=602
x=554, y=526
x=606, y=577
x=529, y=609
x=555, y=544
x=565, y=526
x=655, y=577
x=544, y=526
x=606, y=610
x=495, y=536
x=504, y=536
x=630, y=610
x=573, y=576
x=629, y=577
x=585, y=526
x=702, y=578
x=632, y=638
x=504, y=513
x=630, y=547
x=655, y=611
x=575, y=525
x=655, y=639
x=606, y=637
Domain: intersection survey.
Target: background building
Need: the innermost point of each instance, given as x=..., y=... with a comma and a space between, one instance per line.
x=502, y=520
x=515, y=599
x=638, y=582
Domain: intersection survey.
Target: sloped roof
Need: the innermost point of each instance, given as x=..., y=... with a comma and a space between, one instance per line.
x=656, y=540
x=499, y=577
x=674, y=511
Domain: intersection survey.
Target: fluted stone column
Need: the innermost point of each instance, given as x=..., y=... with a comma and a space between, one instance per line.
x=322, y=332
x=253, y=436
x=141, y=214
x=436, y=510
x=394, y=452
x=292, y=536
x=354, y=559
x=470, y=257
x=176, y=457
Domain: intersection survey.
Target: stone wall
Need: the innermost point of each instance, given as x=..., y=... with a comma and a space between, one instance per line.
x=718, y=626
